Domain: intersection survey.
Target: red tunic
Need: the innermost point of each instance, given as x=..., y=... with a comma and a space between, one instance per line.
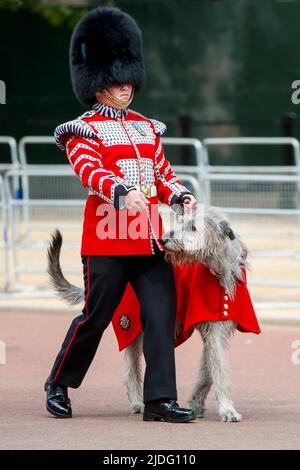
x=199, y=298
x=124, y=152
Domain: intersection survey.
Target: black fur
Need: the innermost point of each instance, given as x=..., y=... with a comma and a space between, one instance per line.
x=227, y=230
x=105, y=50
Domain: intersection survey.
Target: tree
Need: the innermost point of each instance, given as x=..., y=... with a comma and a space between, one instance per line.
x=54, y=12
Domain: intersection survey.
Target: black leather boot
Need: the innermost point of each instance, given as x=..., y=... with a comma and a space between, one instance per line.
x=167, y=410
x=57, y=402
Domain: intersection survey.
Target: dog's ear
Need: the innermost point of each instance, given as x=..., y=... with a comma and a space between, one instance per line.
x=227, y=230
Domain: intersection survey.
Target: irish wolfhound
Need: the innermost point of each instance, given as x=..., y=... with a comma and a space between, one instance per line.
x=204, y=236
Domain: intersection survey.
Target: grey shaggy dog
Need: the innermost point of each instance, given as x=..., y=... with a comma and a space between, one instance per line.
x=204, y=236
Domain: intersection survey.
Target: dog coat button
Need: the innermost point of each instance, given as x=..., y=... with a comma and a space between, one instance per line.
x=225, y=313
x=225, y=305
x=225, y=297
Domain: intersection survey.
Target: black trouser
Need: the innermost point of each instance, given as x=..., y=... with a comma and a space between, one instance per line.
x=105, y=279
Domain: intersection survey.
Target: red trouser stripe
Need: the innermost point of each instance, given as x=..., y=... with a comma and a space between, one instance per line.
x=80, y=323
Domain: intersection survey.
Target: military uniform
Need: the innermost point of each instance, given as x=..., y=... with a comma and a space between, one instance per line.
x=114, y=150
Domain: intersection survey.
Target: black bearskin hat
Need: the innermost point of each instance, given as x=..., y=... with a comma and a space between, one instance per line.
x=105, y=50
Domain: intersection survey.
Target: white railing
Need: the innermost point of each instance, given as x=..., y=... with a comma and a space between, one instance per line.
x=14, y=162
x=242, y=141
x=199, y=170
x=294, y=143
x=259, y=192
x=23, y=243
x=23, y=143
x=11, y=142
x=4, y=269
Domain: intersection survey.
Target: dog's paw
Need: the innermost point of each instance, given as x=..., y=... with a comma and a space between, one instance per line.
x=197, y=408
x=136, y=407
x=231, y=416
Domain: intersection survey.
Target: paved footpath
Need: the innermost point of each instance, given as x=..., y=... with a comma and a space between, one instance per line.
x=266, y=387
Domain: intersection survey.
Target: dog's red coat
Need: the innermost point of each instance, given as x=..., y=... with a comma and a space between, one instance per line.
x=199, y=298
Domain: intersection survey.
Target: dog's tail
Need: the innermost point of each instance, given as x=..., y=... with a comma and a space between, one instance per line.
x=63, y=288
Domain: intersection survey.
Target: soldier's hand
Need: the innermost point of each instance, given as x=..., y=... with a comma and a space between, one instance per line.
x=189, y=202
x=136, y=201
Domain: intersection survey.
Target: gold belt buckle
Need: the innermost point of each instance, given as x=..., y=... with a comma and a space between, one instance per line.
x=145, y=190
x=148, y=190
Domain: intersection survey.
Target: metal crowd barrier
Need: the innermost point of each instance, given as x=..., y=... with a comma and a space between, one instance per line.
x=191, y=182
x=249, y=191
x=4, y=270
x=217, y=141
x=14, y=162
x=23, y=143
x=60, y=208
x=53, y=218
x=196, y=171
x=268, y=192
x=11, y=142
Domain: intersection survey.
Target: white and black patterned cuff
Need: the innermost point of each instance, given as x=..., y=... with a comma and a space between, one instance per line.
x=121, y=190
x=177, y=198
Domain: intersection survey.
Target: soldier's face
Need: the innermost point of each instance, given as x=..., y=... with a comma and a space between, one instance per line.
x=122, y=92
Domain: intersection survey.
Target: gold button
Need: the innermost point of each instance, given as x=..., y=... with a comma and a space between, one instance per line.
x=225, y=313
x=225, y=297
x=225, y=305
